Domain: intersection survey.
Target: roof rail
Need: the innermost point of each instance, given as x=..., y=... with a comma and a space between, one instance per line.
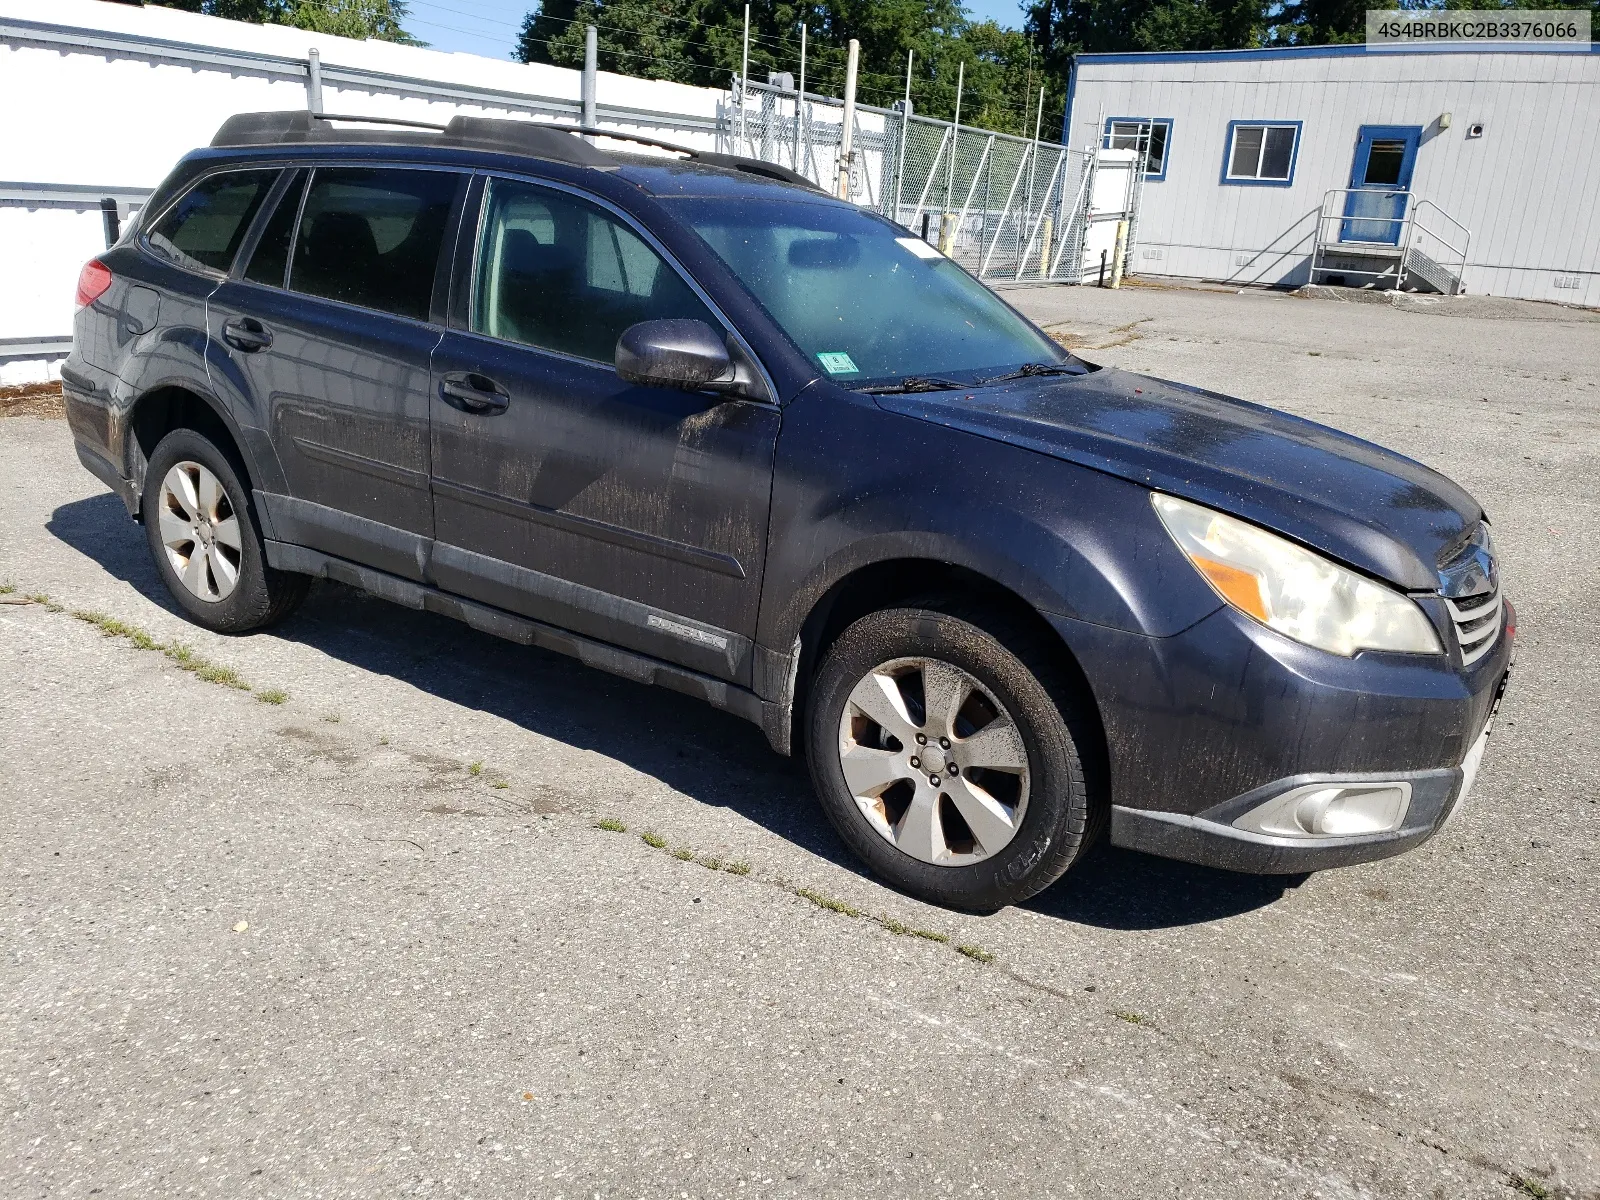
x=732, y=162
x=536, y=139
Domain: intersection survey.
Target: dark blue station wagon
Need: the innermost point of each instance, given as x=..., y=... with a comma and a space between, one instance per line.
x=692, y=421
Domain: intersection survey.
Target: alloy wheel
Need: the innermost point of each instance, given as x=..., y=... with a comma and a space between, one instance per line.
x=934, y=761
x=200, y=532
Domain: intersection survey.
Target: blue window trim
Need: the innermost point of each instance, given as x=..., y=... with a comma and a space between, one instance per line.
x=1227, y=155
x=1166, y=155
x=1344, y=50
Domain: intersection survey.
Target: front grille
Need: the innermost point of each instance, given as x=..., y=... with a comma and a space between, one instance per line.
x=1470, y=585
x=1477, y=622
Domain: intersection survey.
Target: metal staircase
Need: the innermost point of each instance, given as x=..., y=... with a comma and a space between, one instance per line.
x=1424, y=249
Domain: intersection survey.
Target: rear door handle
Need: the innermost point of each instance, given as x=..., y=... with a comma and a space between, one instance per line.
x=474, y=393
x=246, y=334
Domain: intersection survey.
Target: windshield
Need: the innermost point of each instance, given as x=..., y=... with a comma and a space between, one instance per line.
x=865, y=301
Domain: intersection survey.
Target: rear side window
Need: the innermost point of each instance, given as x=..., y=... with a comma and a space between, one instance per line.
x=203, y=230
x=561, y=274
x=269, y=262
x=371, y=237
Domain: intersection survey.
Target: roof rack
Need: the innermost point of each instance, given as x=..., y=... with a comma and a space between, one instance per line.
x=536, y=139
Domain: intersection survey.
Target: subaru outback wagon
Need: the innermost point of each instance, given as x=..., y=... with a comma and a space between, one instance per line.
x=690, y=420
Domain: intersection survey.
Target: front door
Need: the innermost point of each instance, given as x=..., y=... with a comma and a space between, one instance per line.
x=634, y=515
x=332, y=340
x=1380, y=182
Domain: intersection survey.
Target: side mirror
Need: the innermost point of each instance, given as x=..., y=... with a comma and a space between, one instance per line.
x=684, y=354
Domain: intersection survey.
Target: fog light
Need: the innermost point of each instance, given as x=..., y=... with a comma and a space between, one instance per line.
x=1331, y=810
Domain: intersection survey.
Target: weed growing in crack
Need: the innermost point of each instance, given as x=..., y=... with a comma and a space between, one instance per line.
x=736, y=868
x=611, y=825
x=901, y=929
x=187, y=660
x=112, y=627
x=828, y=902
x=475, y=769
x=653, y=840
x=1132, y=1018
x=683, y=854
x=976, y=953
x=272, y=696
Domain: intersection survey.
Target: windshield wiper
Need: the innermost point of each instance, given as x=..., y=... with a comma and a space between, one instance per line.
x=914, y=383
x=1030, y=369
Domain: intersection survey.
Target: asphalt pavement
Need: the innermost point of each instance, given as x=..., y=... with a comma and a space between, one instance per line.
x=330, y=911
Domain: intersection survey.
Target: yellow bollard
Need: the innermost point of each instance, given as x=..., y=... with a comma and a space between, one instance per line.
x=1044, y=248
x=947, y=233
x=1119, y=253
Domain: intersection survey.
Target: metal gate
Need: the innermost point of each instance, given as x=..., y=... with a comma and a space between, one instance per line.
x=1004, y=207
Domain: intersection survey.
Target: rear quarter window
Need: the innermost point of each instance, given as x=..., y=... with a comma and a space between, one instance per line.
x=202, y=231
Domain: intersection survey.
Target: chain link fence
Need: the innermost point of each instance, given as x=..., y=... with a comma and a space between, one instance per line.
x=1004, y=207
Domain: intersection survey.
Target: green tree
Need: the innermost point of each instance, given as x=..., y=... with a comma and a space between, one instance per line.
x=701, y=41
x=380, y=19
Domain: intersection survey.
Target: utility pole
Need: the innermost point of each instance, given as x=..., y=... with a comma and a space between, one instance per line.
x=846, y=154
x=800, y=100
x=947, y=234
x=591, y=60
x=314, y=80
x=744, y=80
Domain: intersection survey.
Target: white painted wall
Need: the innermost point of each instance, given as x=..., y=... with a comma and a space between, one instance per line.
x=1529, y=189
x=80, y=108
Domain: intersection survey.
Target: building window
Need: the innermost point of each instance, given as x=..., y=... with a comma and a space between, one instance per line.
x=1152, y=135
x=1261, y=152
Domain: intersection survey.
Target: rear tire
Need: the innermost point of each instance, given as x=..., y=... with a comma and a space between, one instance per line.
x=990, y=692
x=201, y=524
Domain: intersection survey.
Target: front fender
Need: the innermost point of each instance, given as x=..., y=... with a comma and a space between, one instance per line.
x=1065, y=538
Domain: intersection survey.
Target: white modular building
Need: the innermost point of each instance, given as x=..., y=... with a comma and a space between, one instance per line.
x=1444, y=168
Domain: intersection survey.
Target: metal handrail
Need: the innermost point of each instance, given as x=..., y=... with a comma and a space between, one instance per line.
x=1405, y=242
x=1466, y=243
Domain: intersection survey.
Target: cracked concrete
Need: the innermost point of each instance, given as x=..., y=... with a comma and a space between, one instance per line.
x=451, y=988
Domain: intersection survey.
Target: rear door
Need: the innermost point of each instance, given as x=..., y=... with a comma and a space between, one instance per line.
x=330, y=327
x=630, y=514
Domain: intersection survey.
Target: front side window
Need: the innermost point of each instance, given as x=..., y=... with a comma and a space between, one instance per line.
x=866, y=303
x=1261, y=152
x=202, y=231
x=1147, y=135
x=371, y=237
x=562, y=274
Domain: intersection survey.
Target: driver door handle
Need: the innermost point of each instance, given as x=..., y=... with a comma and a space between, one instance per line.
x=246, y=334
x=473, y=393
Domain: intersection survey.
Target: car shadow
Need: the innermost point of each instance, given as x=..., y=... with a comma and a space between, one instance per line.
x=698, y=751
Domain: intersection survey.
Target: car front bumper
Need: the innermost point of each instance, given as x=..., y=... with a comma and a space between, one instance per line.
x=1205, y=727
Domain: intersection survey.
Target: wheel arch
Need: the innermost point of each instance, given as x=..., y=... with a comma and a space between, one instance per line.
x=165, y=407
x=901, y=581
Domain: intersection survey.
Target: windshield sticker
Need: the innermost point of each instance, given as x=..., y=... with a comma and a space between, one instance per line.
x=837, y=362
x=919, y=247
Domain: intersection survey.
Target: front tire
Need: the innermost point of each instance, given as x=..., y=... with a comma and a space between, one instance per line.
x=944, y=760
x=202, y=529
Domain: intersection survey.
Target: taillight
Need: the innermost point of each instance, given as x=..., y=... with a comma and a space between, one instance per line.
x=93, y=281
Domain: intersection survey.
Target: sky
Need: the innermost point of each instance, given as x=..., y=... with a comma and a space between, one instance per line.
x=489, y=27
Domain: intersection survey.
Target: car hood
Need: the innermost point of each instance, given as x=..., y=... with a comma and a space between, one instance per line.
x=1374, y=509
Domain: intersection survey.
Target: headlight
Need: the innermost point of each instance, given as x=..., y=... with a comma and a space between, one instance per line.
x=1288, y=588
